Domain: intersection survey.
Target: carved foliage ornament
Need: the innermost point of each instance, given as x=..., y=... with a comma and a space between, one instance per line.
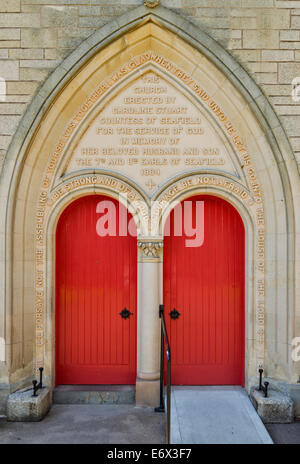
x=150, y=249
x=151, y=3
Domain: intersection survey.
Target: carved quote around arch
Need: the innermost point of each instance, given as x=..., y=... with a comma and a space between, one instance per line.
x=252, y=197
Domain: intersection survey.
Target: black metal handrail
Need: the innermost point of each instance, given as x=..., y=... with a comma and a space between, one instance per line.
x=262, y=387
x=165, y=340
x=36, y=385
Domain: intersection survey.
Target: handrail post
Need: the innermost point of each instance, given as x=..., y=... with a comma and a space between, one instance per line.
x=161, y=407
x=168, y=399
x=262, y=387
x=165, y=341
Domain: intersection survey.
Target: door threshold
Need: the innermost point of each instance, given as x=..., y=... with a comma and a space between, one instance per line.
x=94, y=394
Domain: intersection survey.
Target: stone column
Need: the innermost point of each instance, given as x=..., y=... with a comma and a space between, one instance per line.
x=149, y=298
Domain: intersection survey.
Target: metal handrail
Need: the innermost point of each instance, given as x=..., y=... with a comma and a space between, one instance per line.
x=262, y=387
x=165, y=340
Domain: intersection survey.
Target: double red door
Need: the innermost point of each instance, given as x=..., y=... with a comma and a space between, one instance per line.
x=205, y=285
x=96, y=278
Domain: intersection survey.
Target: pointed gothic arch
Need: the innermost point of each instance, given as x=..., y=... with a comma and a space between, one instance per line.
x=200, y=65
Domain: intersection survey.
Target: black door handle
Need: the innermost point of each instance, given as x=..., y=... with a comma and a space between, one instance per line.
x=174, y=314
x=125, y=313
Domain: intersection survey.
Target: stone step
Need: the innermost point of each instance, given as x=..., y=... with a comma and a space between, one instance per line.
x=277, y=408
x=94, y=394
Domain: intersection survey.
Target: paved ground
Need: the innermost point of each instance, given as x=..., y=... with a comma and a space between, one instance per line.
x=89, y=424
x=288, y=434
x=215, y=415
x=202, y=415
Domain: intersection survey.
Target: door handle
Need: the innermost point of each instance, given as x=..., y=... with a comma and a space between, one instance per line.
x=174, y=314
x=125, y=313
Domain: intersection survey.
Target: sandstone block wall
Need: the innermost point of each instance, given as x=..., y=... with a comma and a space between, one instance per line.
x=35, y=36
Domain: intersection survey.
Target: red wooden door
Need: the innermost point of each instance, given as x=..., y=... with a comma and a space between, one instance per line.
x=205, y=285
x=96, y=278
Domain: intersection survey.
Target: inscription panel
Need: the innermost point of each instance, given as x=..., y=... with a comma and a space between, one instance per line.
x=150, y=132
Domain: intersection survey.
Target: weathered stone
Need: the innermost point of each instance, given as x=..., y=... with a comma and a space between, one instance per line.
x=243, y=23
x=8, y=124
x=291, y=124
x=294, y=390
x=21, y=88
x=92, y=21
x=11, y=108
x=276, y=408
x=234, y=44
x=89, y=10
x=23, y=407
x=31, y=8
x=40, y=64
x=26, y=53
x=291, y=109
x=262, y=67
x=257, y=3
x=289, y=35
x=4, y=391
x=72, y=31
x=261, y=39
x=55, y=54
x=287, y=72
x=277, y=55
x=295, y=22
x=287, y=4
x=246, y=56
x=58, y=16
x=116, y=10
x=9, y=6
x=212, y=23
x=278, y=90
x=9, y=43
x=295, y=141
x=266, y=78
x=290, y=45
x=19, y=20
x=31, y=74
x=110, y=394
x=37, y=38
x=5, y=141
x=270, y=19
x=10, y=34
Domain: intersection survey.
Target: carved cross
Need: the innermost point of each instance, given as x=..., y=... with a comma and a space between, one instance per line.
x=150, y=184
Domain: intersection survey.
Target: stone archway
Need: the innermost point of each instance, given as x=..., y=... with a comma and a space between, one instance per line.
x=266, y=180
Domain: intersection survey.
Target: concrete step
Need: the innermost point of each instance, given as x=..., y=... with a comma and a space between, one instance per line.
x=94, y=394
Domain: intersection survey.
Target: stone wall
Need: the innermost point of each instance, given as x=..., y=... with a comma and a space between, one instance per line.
x=27, y=220
x=35, y=35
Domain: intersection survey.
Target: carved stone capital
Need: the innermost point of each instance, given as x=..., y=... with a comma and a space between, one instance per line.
x=150, y=249
x=151, y=3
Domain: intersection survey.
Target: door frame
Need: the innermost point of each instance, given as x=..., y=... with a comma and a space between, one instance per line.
x=49, y=348
x=247, y=218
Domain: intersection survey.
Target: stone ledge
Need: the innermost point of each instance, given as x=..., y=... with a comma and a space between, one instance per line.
x=85, y=394
x=23, y=407
x=277, y=408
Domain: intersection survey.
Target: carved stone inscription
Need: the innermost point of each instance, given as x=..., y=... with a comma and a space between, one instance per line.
x=150, y=132
x=252, y=199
